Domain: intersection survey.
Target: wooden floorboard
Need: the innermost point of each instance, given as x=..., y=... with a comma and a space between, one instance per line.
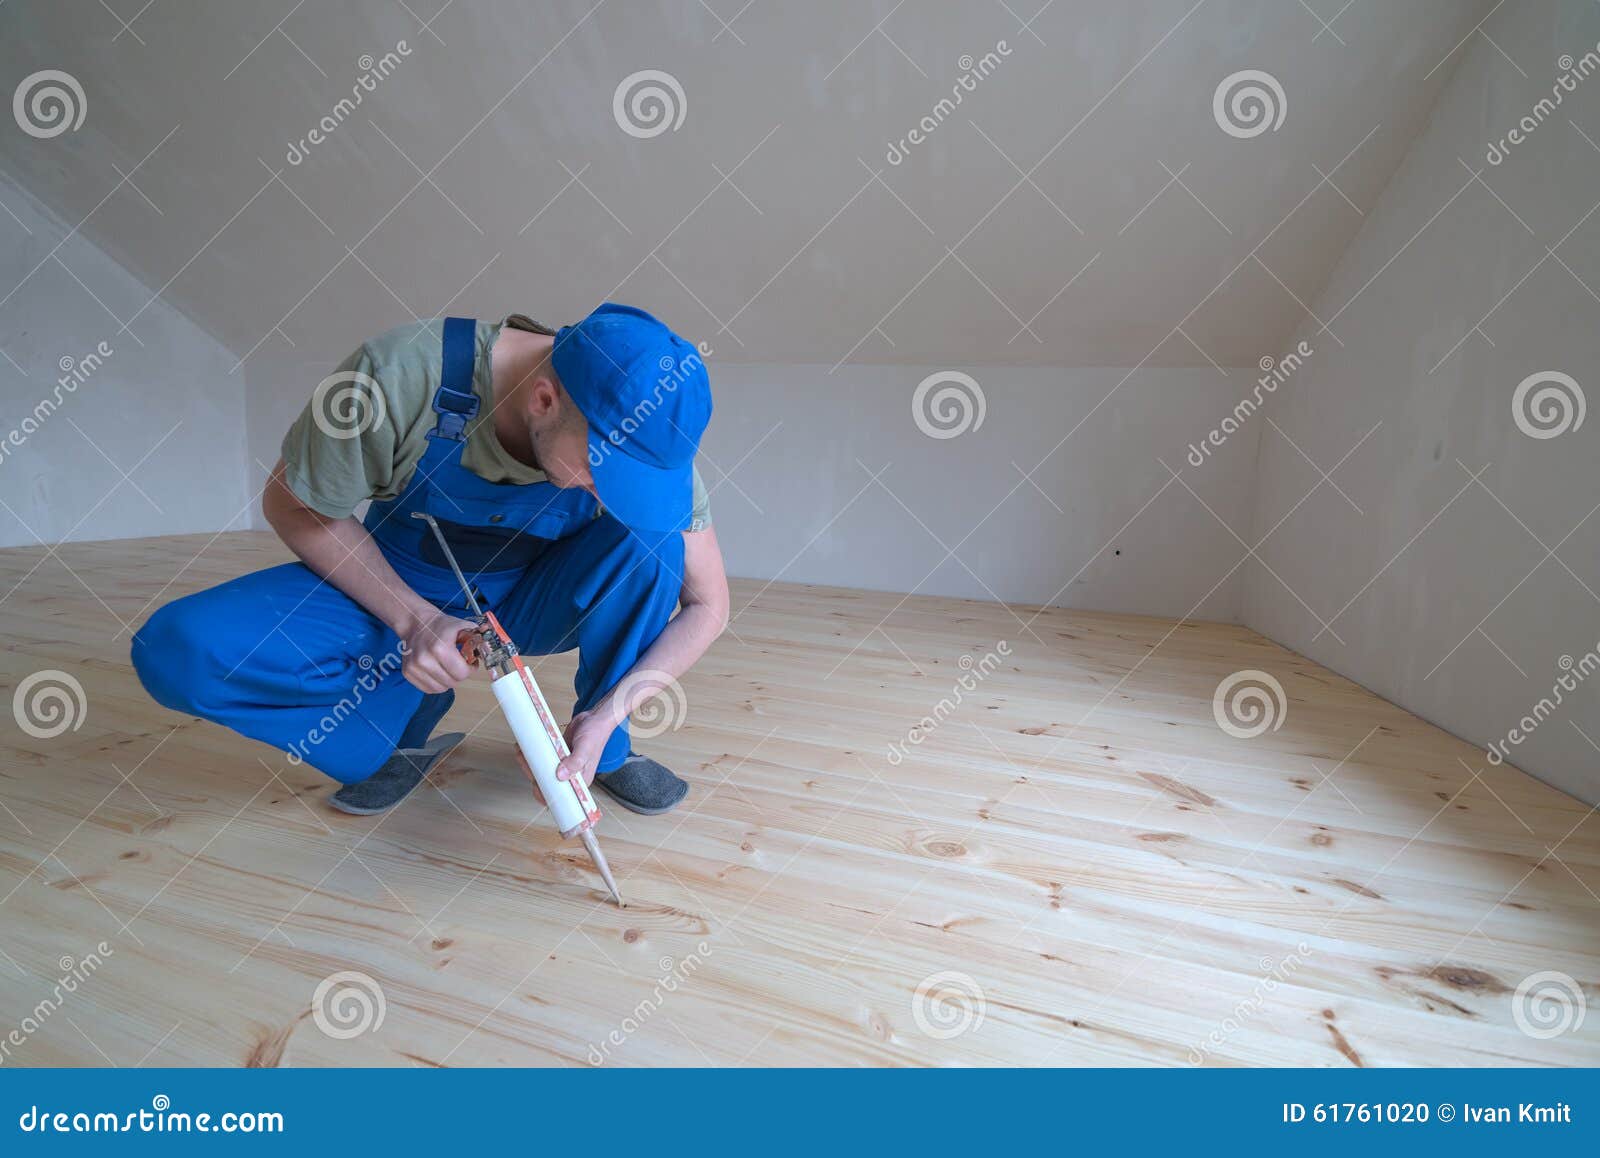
x=1099, y=873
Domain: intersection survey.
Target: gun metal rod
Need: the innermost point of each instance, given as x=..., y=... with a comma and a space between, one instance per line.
x=449, y=555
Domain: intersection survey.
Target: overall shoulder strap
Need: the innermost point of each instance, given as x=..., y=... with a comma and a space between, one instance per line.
x=455, y=402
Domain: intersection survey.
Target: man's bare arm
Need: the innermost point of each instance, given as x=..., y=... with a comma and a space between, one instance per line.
x=702, y=616
x=342, y=552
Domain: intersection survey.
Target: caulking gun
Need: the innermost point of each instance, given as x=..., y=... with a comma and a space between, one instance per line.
x=542, y=744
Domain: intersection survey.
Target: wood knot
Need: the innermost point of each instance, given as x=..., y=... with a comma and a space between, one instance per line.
x=1360, y=890
x=1472, y=980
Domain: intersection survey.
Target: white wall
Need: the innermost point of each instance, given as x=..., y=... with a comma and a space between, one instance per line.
x=1074, y=535
x=792, y=453
x=276, y=388
x=1459, y=616
x=64, y=448
x=800, y=250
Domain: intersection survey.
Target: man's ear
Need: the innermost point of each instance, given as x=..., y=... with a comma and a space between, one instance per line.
x=544, y=398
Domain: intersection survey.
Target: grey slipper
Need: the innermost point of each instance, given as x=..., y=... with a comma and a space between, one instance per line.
x=643, y=786
x=392, y=783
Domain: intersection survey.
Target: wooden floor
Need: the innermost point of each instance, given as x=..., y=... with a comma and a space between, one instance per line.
x=1074, y=866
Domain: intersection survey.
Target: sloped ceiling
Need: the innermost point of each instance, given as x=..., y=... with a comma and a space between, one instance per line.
x=1072, y=209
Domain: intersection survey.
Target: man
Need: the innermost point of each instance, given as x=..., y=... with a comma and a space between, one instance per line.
x=560, y=466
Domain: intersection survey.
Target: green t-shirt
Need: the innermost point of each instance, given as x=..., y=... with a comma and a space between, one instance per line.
x=348, y=446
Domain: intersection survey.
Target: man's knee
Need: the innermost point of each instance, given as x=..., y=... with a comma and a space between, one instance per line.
x=637, y=561
x=174, y=655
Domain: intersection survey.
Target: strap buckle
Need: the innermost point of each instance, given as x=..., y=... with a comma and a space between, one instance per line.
x=454, y=402
x=454, y=413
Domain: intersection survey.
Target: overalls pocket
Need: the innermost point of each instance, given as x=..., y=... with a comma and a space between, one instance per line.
x=493, y=548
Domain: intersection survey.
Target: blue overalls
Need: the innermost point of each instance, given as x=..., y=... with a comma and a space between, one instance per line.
x=284, y=657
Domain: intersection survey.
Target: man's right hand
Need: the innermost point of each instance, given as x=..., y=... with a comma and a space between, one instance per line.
x=432, y=657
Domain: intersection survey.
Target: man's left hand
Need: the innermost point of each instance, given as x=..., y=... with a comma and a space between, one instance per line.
x=586, y=736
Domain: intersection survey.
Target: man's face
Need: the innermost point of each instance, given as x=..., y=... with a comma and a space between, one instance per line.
x=561, y=446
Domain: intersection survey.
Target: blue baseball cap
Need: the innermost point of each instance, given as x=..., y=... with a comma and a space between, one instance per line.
x=647, y=399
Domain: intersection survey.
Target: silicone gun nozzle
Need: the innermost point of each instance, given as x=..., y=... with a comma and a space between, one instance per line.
x=592, y=845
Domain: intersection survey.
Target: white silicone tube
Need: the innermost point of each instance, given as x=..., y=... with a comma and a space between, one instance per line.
x=566, y=803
